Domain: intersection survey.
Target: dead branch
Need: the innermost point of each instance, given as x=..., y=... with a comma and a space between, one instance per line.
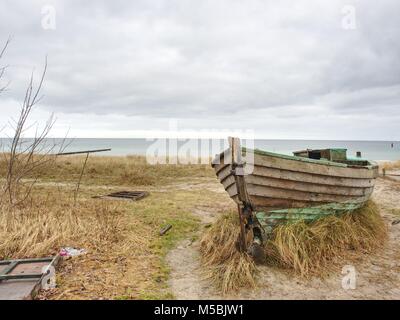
x=3, y=69
x=27, y=156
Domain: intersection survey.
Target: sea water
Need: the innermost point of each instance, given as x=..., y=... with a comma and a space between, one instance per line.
x=373, y=150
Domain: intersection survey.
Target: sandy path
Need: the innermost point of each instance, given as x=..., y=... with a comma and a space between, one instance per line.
x=377, y=277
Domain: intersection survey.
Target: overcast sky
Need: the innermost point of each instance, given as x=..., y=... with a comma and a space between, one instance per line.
x=283, y=69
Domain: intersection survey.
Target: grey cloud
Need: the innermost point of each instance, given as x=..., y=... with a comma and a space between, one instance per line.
x=202, y=59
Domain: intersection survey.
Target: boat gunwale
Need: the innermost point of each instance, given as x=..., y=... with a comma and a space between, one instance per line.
x=372, y=164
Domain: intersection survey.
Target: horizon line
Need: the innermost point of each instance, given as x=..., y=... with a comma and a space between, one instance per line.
x=213, y=138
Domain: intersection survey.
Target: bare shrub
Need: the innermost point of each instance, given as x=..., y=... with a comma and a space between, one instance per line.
x=25, y=158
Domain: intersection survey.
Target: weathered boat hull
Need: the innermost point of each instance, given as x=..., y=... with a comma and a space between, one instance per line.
x=280, y=181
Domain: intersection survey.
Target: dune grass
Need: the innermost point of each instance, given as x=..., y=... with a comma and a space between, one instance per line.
x=223, y=264
x=50, y=221
x=134, y=267
x=41, y=228
x=125, y=256
x=307, y=249
x=393, y=165
x=124, y=170
x=117, y=170
x=395, y=211
x=316, y=248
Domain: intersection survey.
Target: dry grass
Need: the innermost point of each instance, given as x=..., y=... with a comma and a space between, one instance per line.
x=391, y=165
x=125, y=255
x=48, y=222
x=316, y=248
x=114, y=170
x=224, y=265
x=305, y=248
x=134, y=267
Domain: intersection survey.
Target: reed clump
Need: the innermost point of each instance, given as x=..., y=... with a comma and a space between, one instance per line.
x=317, y=248
x=307, y=249
x=224, y=265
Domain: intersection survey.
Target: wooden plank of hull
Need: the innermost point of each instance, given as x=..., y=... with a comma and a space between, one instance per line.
x=264, y=203
x=316, y=168
x=300, y=195
x=275, y=193
x=299, y=186
x=310, y=178
x=267, y=204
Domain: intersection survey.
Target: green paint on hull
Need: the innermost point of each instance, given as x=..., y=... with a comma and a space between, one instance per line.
x=274, y=217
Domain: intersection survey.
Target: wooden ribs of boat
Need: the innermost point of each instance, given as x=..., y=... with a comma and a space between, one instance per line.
x=277, y=181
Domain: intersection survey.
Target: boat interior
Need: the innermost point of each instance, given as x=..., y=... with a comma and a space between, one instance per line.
x=335, y=154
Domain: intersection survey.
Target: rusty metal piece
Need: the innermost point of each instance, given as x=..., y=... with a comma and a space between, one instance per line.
x=256, y=251
x=128, y=195
x=165, y=229
x=80, y=152
x=87, y=152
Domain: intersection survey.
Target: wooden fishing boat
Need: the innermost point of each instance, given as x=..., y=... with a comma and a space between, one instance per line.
x=272, y=188
x=309, y=178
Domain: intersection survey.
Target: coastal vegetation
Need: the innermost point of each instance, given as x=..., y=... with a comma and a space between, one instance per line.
x=41, y=210
x=48, y=202
x=125, y=256
x=391, y=165
x=305, y=249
